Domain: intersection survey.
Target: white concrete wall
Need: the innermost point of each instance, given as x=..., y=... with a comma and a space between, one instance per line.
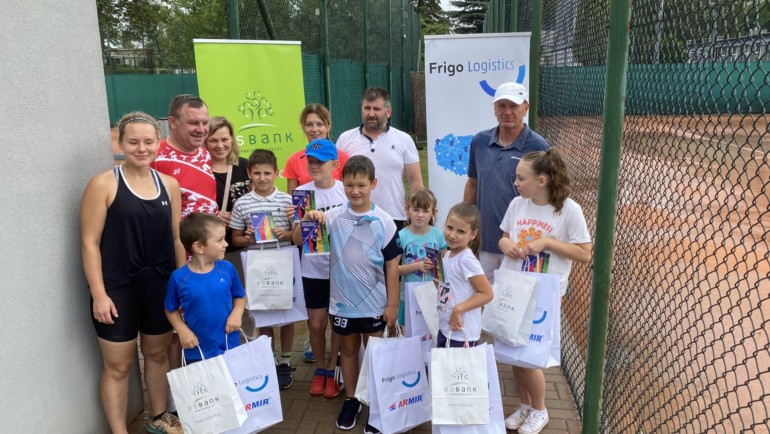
x=54, y=135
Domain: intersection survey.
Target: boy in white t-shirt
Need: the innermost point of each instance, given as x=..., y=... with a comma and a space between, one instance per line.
x=321, y=156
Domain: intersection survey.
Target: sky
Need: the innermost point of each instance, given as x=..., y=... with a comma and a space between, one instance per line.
x=445, y=5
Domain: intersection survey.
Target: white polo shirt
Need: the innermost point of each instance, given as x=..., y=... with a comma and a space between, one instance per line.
x=390, y=152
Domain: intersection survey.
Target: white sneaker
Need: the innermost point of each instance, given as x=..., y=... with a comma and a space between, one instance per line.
x=514, y=421
x=535, y=422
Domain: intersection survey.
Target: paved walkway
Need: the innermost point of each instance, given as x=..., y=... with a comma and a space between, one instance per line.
x=305, y=414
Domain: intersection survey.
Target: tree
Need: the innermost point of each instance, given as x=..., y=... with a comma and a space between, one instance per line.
x=469, y=16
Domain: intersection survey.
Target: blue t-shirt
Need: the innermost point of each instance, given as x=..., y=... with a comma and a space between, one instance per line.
x=414, y=249
x=206, y=301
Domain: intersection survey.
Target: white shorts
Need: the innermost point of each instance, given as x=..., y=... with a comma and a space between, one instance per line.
x=490, y=262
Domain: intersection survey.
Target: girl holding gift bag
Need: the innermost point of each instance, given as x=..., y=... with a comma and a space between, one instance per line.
x=543, y=232
x=418, y=234
x=466, y=288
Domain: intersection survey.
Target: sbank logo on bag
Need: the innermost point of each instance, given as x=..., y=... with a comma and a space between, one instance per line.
x=460, y=385
x=270, y=271
x=269, y=277
x=502, y=303
x=202, y=401
x=404, y=402
x=404, y=376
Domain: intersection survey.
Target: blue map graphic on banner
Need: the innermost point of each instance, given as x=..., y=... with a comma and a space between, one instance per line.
x=452, y=153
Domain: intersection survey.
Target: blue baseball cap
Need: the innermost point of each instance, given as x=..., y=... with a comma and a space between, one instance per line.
x=322, y=149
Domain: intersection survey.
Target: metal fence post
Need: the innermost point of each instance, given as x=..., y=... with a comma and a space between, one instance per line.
x=265, y=12
x=500, y=15
x=233, y=22
x=390, y=46
x=402, y=38
x=514, y=14
x=534, y=62
x=325, y=55
x=365, y=13
x=612, y=136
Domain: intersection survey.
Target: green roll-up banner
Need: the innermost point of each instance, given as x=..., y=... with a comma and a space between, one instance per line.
x=256, y=85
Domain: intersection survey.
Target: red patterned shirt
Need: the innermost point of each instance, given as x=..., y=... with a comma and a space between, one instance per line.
x=194, y=174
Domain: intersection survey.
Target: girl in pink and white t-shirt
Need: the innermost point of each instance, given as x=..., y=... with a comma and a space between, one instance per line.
x=543, y=232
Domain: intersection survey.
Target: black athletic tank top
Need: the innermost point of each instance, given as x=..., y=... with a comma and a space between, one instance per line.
x=137, y=238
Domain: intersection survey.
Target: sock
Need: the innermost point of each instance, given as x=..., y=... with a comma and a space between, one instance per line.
x=320, y=371
x=286, y=358
x=330, y=373
x=158, y=416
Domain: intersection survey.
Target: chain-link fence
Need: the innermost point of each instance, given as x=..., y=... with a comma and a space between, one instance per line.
x=390, y=29
x=687, y=348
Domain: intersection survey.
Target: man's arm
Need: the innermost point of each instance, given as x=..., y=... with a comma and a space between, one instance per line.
x=471, y=187
x=413, y=176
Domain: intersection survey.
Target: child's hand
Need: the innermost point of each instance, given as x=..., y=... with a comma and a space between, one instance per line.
x=427, y=265
x=536, y=246
x=290, y=212
x=187, y=338
x=509, y=249
x=225, y=216
x=282, y=235
x=316, y=215
x=390, y=315
x=233, y=323
x=456, y=319
x=249, y=234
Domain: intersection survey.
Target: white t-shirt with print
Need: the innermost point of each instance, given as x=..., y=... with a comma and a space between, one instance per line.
x=390, y=152
x=457, y=270
x=525, y=221
x=317, y=266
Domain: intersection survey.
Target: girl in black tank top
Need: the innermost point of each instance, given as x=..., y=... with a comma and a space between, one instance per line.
x=137, y=237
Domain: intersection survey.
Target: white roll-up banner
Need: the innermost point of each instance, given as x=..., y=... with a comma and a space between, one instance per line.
x=461, y=75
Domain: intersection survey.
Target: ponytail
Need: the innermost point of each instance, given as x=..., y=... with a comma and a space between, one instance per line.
x=551, y=164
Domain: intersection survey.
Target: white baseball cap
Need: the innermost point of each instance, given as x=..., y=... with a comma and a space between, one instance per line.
x=511, y=91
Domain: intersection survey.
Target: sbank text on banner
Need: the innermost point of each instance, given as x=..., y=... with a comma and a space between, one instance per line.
x=461, y=75
x=258, y=86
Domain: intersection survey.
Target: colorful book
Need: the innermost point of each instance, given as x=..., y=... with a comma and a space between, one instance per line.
x=314, y=238
x=437, y=271
x=263, y=227
x=536, y=264
x=303, y=201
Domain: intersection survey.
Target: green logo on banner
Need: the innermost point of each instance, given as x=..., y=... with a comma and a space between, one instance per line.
x=255, y=107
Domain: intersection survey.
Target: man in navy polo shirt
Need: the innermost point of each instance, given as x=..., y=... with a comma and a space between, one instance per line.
x=493, y=158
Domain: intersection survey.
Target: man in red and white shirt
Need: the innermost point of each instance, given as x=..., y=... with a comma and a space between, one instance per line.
x=183, y=156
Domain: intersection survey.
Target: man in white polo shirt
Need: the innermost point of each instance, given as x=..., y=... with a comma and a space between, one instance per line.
x=393, y=153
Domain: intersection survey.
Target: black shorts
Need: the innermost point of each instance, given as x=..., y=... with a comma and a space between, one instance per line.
x=140, y=310
x=441, y=342
x=346, y=326
x=316, y=292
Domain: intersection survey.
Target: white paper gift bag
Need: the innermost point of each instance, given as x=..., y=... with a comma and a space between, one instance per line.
x=459, y=385
x=280, y=317
x=206, y=398
x=399, y=392
x=269, y=278
x=508, y=318
x=496, y=423
x=252, y=368
x=544, y=347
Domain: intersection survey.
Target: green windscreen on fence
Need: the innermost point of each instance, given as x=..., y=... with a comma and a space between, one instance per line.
x=166, y=67
x=689, y=310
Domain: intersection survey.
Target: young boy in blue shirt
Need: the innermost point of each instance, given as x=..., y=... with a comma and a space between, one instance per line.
x=364, y=274
x=207, y=289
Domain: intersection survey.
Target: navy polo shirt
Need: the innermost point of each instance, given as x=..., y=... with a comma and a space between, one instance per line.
x=494, y=167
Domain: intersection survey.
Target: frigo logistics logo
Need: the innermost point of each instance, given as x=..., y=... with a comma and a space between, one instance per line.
x=260, y=380
x=482, y=67
x=256, y=108
x=403, y=376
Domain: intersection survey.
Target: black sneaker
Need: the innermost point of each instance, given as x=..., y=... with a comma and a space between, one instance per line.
x=284, y=371
x=371, y=430
x=349, y=414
